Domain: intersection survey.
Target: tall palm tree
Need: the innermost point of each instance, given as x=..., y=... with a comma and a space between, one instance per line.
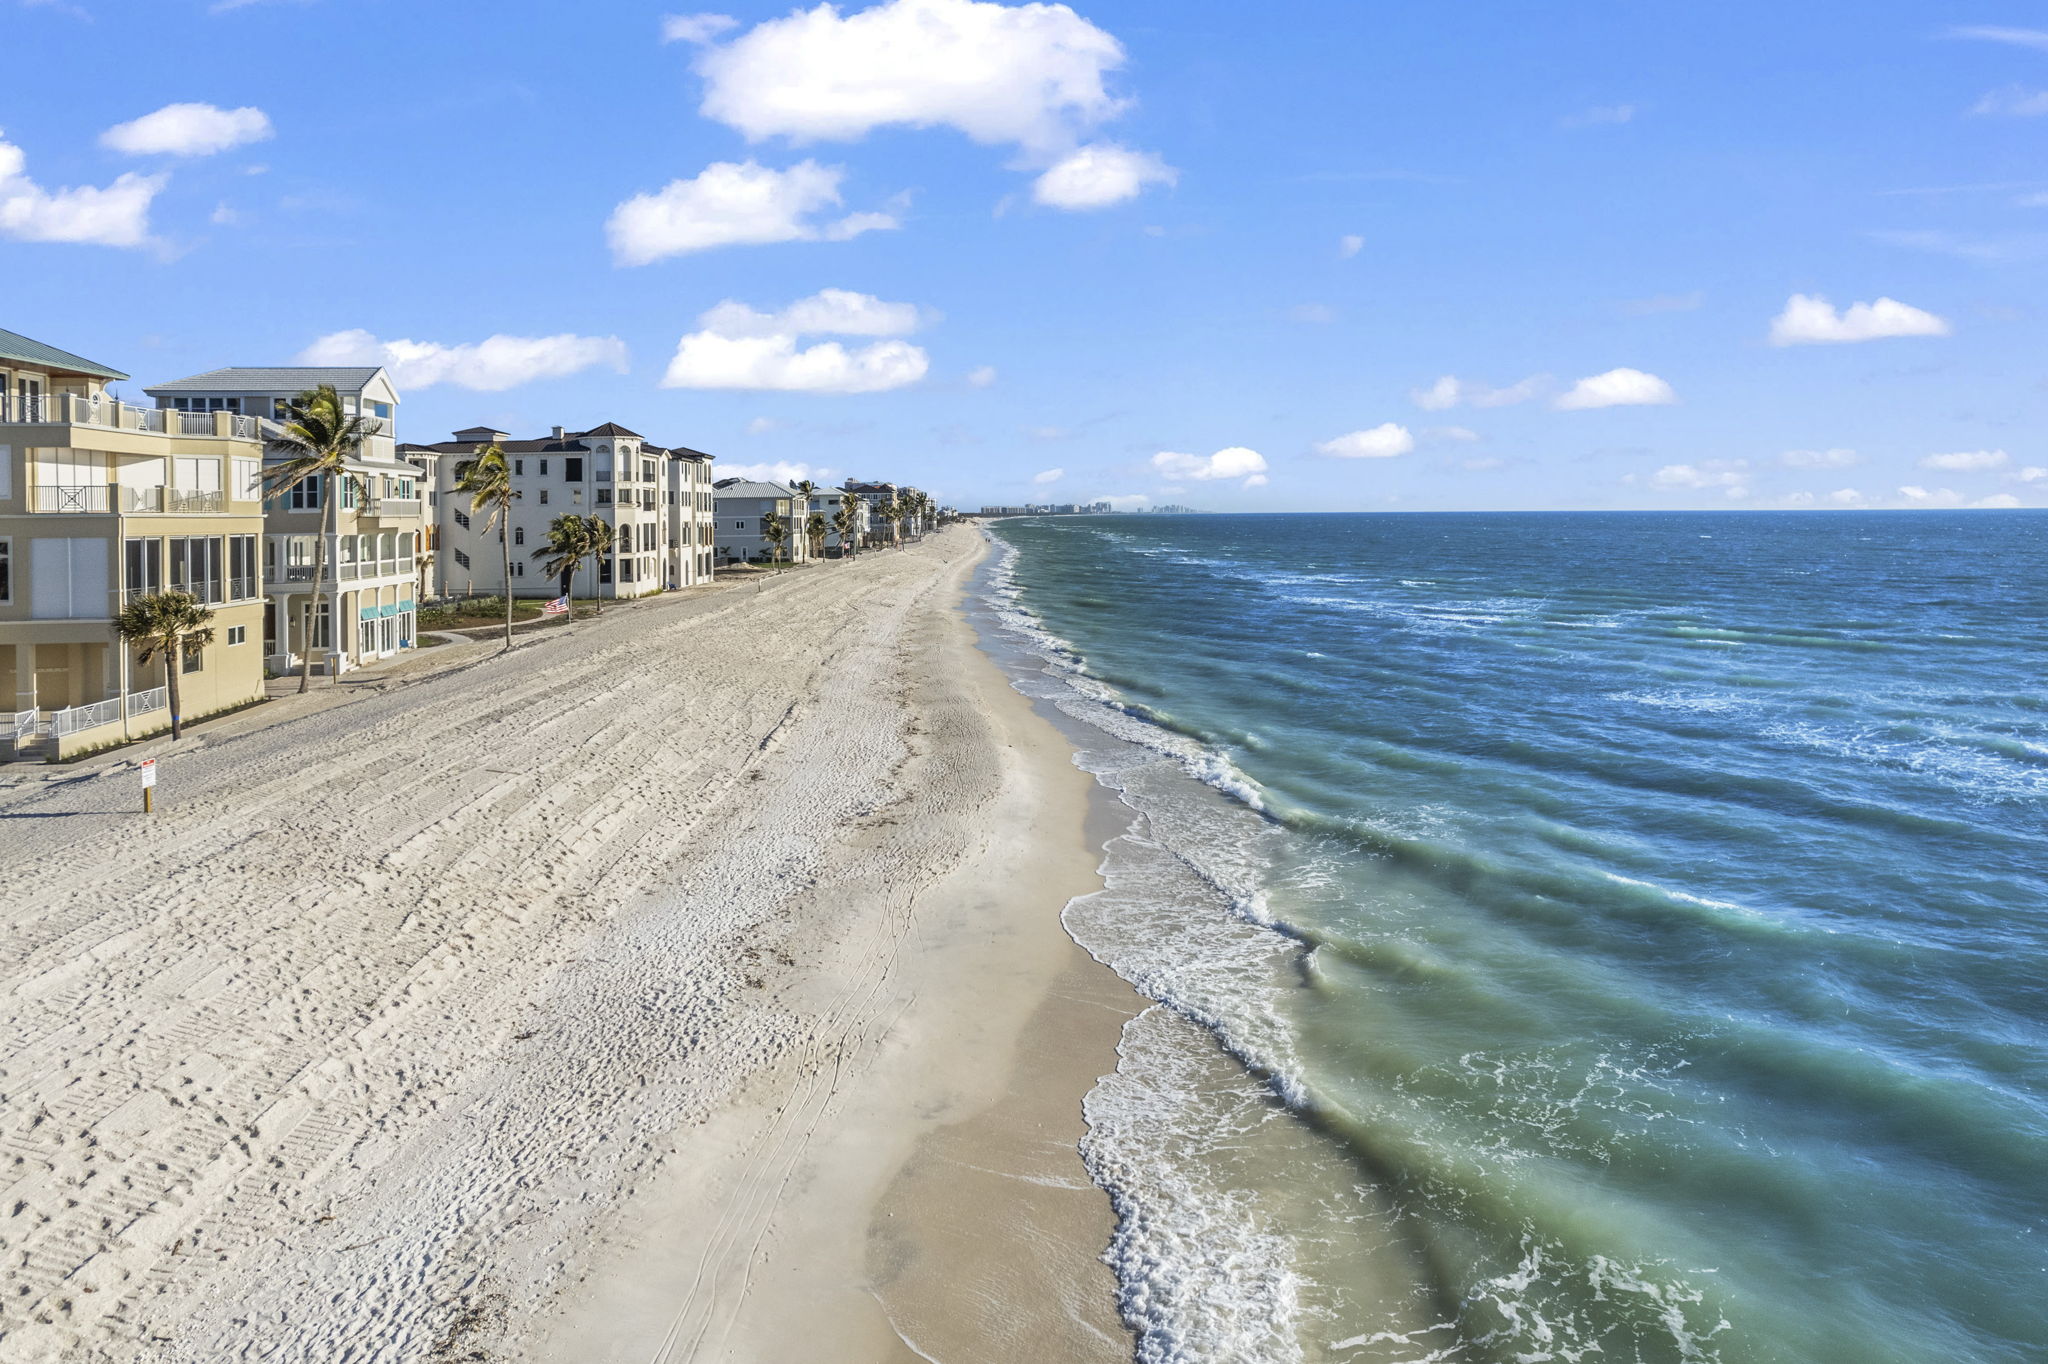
x=847, y=522
x=423, y=560
x=318, y=440
x=569, y=543
x=800, y=509
x=487, y=477
x=774, y=530
x=167, y=624
x=814, y=531
x=891, y=512
x=602, y=538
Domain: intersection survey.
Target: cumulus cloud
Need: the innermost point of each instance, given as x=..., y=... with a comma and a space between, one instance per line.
x=1349, y=246
x=1234, y=462
x=695, y=28
x=761, y=426
x=2013, y=101
x=1730, y=477
x=1997, y=500
x=1966, y=461
x=1809, y=319
x=740, y=347
x=1099, y=175
x=779, y=471
x=487, y=366
x=1848, y=497
x=2033, y=473
x=981, y=376
x=1617, y=388
x=1048, y=475
x=735, y=203
x=1450, y=391
x=1380, y=442
x=189, y=130
x=1820, y=459
x=116, y=215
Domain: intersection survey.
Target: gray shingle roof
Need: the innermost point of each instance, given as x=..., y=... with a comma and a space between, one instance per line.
x=740, y=487
x=284, y=380
x=15, y=346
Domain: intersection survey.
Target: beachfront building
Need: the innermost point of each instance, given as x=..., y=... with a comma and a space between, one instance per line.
x=827, y=501
x=878, y=495
x=693, y=517
x=102, y=501
x=743, y=505
x=608, y=472
x=367, y=604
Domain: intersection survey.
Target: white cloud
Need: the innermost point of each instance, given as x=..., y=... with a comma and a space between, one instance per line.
x=1617, y=388
x=1460, y=434
x=1234, y=462
x=1800, y=499
x=1349, y=246
x=2016, y=37
x=1032, y=75
x=223, y=215
x=2033, y=473
x=487, y=366
x=695, y=28
x=1312, y=313
x=761, y=426
x=1809, y=319
x=2013, y=101
x=1384, y=441
x=188, y=130
x=1601, y=115
x=732, y=203
x=117, y=215
x=1450, y=391
x=1730, y=477
x=1099, y=175
x=1930, y=497
x=739, y=347
x=1128, y=501
x=1997, y=500
x=981, y=376
x=1966, y=461
x=1049, y=476
x=1820, y=459
x=779, y=471
x=1847, y=497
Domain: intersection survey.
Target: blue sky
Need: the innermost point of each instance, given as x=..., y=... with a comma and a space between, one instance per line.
x=1314, y=256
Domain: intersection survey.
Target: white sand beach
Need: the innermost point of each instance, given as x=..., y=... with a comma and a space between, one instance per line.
x=687, y=985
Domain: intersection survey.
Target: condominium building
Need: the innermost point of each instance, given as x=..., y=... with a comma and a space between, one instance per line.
x=878, y=495
x=744, y=507
x=693, y=515
x=102, y=501
x=828, y=501
x=608, y=472
x=372, y=573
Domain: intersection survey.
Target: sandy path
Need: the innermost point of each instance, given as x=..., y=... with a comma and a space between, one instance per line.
x=350, y=1050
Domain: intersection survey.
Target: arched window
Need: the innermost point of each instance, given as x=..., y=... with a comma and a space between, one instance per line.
x=519, y=535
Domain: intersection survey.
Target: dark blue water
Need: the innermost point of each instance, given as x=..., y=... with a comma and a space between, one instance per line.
x=1637, y=922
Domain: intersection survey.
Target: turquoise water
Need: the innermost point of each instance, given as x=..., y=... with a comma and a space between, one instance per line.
x=1579, y=937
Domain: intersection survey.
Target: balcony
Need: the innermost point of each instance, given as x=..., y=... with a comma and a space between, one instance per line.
x=392, y=507
x=106, y=497
x=70, y=409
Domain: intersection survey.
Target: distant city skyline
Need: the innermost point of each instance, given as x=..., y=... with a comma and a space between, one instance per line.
x=1338, y=257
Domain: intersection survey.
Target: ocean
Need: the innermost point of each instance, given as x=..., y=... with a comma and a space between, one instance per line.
x=1583, y=937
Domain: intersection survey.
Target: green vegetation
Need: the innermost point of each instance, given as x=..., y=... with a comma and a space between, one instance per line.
x=166, y=624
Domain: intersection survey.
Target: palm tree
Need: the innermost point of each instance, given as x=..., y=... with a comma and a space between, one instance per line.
x=847, y=522
x=774, y=530
x=424, y=560
x=814, y=531
x=891, y=512
x=803, y=488
x=317, y=441
x=569, y=543
x=487, y=478
x=602, y=538
x=167, y=623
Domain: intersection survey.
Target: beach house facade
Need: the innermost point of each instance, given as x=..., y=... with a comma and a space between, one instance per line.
x=745, y=507
x=693, y=515
x=827, y=501
x=103, y=501
x=368, y=602
x=909, y=524
x=608, y=472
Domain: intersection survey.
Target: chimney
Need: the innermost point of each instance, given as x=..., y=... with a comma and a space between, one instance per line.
x=559, y=433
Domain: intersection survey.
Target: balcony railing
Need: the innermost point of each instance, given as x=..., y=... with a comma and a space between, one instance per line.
x=144, y=702
x=241, y=589
x=72, y=497
x=186, y=500
x=104, y=497
x=73, y=719
x=392, y=506
x=75, y=409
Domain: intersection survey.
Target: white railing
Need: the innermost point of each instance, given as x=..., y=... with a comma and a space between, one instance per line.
x=75, y=719
x=18, y=727
x=147, y=702
x=393, y=506
x=72, y=497
x=141, y=499
x=192, y=500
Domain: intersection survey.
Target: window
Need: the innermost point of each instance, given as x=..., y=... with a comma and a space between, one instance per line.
x=6, y=570
x=572, y=469
x=543, y=468
x=196, y=566
x=462, y=520
x=191, y=660
x=304, y=495
x=241, y=567
x=647, y=471
x=519, y=468
x=739, y=525
x=625, y=570
x=381, y=409
x=248, y=473
x=519, y=535
x=518, y=569
x=462, y=558
x=143, y=567
x=604, y=497
x=238, y=634
x=351, y=492
x=543, y=494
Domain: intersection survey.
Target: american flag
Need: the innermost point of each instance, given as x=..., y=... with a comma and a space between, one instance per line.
x=558, y=607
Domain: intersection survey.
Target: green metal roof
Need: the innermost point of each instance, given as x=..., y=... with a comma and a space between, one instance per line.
x=15, y=346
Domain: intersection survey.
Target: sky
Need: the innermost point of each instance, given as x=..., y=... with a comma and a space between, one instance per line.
x=1315, y=256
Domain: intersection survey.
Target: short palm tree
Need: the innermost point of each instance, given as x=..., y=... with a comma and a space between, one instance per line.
x=891, y=512
x=166, y=624
x=569, y=543
x=423, y=560
x=846, y=521
x=317, y=442
x=487, y=477
x=602, y=538
x=774, y=530
x=814, y=531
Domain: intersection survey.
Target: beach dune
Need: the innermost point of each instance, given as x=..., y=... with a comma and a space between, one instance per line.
x=686, y=985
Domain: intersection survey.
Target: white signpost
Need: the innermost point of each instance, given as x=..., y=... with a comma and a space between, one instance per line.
x=148, y=769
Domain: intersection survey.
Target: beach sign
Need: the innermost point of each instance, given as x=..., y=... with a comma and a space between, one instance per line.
x=558, y=607
x=148, y=770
